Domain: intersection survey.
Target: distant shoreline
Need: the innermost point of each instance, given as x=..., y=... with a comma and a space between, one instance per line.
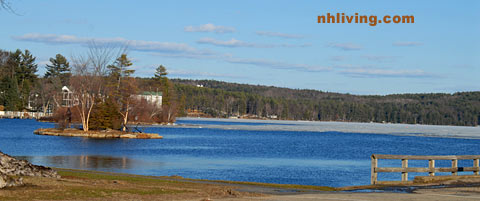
x=464, y=132
x=418, y=130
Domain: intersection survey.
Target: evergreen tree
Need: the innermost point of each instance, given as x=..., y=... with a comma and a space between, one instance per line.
x=27, y=68
x=161, y=72
x=120, y=69
x=105, y=116
x=13, y=63
x=27, y=74
x=60, y=68
x=166, y=87
x=11, y=94
x=161, y=79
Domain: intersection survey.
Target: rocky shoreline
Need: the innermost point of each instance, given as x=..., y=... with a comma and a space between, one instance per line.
x=96, y=134
x=12, y=170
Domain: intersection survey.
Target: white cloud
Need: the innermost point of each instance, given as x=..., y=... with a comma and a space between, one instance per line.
x=187, y=55
x=138, y=45
x=249, y=61
x=369, y=72
x=278, y=65
x=338, y=58
x=209, y=28
x=407, y=44
x=379, y=58
x=231, y=43
x=238, y=43
x=278, y=34
x=346, y=66
x=345, y=46
x=189, y=73
x=293, y=45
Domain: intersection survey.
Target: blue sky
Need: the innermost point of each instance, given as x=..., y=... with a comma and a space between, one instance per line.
x=275, y=43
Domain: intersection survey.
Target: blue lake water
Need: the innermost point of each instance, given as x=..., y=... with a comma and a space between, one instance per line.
x=290, y=157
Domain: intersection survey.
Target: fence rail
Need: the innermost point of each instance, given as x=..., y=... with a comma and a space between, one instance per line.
x=23, y=115
x=454, y=169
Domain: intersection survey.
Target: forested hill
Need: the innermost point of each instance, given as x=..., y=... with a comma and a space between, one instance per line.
x=222, y=99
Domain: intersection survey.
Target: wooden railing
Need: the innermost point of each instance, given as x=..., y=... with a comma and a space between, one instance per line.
x=431, y=165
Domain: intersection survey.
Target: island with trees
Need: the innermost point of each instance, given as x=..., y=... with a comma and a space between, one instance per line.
x=92, y=95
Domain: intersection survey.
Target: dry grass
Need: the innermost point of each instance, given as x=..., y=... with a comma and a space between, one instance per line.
x=86, y=185
x=281, y=186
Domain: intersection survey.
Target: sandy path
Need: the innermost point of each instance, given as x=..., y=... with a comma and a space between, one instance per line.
x=453, y=194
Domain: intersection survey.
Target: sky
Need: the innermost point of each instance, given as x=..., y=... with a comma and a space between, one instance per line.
x=277, y=43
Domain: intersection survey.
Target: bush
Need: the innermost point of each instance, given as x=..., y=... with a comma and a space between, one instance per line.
x=105, y=116
x=60, y=117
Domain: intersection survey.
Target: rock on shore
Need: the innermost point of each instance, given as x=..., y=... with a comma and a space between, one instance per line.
x=7, y=181
x=11, y=170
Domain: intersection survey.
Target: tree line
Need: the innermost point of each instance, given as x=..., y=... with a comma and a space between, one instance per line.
x=103, y=93
x=222, y=99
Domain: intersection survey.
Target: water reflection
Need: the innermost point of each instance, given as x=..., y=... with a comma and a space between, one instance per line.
x=85, y=161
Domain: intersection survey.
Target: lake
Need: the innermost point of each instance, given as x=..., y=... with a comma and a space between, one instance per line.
x=287, y=152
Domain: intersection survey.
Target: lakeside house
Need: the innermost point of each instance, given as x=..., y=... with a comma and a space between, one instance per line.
x=155, y=98
x=151, y=97
x=67, y=98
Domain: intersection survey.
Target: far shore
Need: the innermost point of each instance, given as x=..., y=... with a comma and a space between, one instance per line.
x=465, y=132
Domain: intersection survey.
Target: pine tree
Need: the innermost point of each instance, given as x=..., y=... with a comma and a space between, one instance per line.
x=11, y=94
x=28, y=61
x=120, y=69
x=161, y=79
x=122, y=86
x=105, y=116
x=60, y=68
x=161, y=72
x=13, y=63
x=27, y=68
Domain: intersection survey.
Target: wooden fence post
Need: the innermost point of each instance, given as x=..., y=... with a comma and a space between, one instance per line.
x=475, y=164
x=404, y=174
x=431, y=166
x=454, y=165
x=373, y=171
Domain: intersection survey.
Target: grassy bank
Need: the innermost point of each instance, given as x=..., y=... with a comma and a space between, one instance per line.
x=93, y=185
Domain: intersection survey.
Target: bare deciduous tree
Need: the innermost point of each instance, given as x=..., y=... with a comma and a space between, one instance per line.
x=127, y=99
x=88, y=80
x=46, y=91
x=85, y=88
x=5, y=4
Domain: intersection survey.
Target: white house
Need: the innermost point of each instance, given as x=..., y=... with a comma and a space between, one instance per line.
x=151, y=97
x=67, y=97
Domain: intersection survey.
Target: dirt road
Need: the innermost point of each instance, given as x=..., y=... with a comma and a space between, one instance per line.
x=442, y=194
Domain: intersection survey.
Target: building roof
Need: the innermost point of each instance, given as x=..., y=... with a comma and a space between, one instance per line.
x=151, y=93
x=65, y=88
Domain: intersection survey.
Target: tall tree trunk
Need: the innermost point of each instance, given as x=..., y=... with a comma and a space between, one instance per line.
x=125, y=117
x=45, y=107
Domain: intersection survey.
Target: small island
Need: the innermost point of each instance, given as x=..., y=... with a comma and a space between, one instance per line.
x=103, y=105
x=71, y=132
